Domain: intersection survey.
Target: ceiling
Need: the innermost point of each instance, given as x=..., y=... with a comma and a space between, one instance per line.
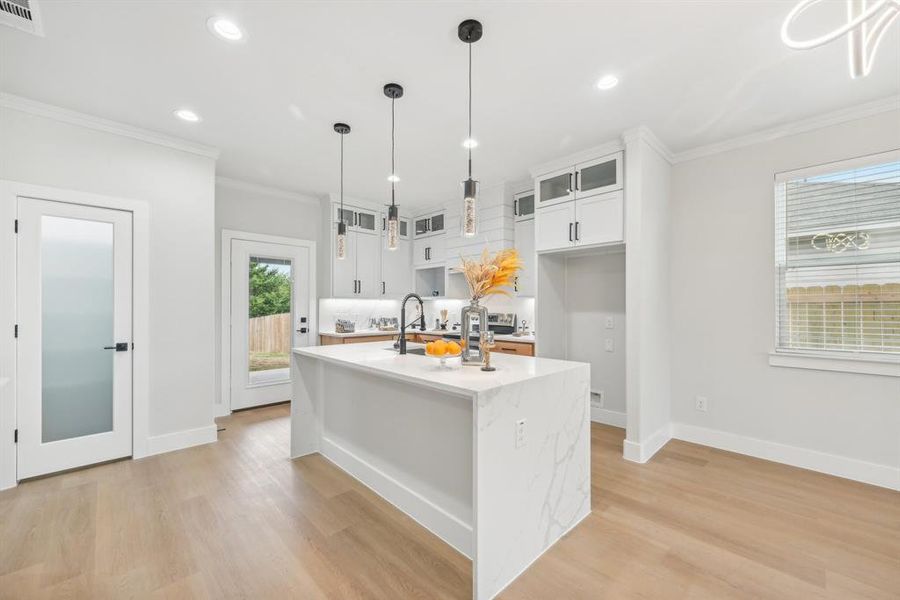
x=693, y=72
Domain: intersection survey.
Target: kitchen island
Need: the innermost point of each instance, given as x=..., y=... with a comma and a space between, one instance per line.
x=496, y=464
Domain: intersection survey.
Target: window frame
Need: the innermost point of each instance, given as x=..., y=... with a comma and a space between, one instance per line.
x=871, y=363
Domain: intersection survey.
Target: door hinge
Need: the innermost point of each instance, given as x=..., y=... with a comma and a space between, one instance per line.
x=16, y=226
x=15, y=436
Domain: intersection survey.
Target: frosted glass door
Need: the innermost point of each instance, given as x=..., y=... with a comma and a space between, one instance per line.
x=74, y=275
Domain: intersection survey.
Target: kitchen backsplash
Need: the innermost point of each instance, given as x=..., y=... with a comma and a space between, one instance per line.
x=361, y=311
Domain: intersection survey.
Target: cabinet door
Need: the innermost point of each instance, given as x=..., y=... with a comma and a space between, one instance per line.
x=598, y=176
x=404, y=229
x=599, y=219
x=396, y=269
x=422, y=224
x=437, y=249
x=555, y=187
x=343, y=272
x=368, y=263
x=437, y=223
x=523, y=205
x=525, y=246
x=347, y=215
x=554, y=227
x=420, y=251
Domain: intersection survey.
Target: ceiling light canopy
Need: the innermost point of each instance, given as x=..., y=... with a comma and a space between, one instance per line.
x=224, y=29
x=607, y=82
x=186, y=114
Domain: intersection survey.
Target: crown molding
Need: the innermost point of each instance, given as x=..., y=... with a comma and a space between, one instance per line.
x=72, y=117
x=265, y=190
x=832, y=118
x=577, y=157
x=642, y=132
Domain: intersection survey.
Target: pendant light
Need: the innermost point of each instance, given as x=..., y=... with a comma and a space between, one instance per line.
x=469, y=32
x=341, y=243
x=393, y=91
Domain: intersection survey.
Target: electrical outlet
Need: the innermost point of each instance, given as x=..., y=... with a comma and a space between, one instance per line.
x=597, y=399
x=608, y=345
x=520, y=433
x=610, y=322
x=702, y=404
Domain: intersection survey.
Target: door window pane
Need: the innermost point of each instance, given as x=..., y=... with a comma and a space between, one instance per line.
x=76, y=324
x=525, y=205
x=597, y=176
x=269, y=328
x=555, y=187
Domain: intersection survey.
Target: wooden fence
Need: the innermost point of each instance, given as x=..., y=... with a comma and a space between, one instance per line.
x=270, y=334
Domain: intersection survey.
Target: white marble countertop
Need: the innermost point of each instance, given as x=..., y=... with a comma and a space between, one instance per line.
x=375, y=358
x=525, y=339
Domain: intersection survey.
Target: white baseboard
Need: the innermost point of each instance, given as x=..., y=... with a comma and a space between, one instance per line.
x=177, y=440
x=427, y=514
x=831, y=464
x=608, y=417
x=644, y=451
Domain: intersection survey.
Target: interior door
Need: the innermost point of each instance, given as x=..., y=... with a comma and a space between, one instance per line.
x=554, y=227
x=73, y=352
x=269, y=316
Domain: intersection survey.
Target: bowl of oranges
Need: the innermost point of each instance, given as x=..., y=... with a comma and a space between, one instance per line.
x=447, y=353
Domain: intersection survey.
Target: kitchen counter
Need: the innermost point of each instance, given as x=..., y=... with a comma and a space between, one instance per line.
x=525, y=339
x=499, y=337
x=359, y=333
x=497, y=464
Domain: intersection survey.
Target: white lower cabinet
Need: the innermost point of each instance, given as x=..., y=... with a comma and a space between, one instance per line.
x=429, y=250
x=591, y=221
x=525, y=280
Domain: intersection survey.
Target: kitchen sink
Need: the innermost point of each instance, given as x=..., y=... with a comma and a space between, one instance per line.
x=419, y=351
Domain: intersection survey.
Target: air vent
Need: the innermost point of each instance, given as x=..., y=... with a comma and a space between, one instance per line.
x=21, y=14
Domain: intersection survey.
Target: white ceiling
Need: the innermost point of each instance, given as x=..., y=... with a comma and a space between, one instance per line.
x=693, y=72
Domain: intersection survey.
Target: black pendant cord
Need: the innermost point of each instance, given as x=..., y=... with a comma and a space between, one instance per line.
x=393, y=169
x=341, y=219
x=469, y=144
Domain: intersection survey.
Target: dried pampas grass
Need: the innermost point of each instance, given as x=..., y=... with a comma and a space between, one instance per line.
x=491, y=275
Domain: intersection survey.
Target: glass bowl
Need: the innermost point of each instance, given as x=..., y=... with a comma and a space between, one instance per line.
x=447, y=361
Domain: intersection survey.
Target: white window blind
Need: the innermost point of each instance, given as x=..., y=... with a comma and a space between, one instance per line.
x=837, y=257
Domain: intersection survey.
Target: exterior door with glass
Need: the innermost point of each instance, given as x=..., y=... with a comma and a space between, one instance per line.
x=73, y=352
x=269, y=315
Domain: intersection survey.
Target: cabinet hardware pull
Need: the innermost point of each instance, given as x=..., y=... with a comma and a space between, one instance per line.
x=569, y=189
x=570, y=233
x=516, y=207
x=360, y=286
x=382, y=288
x=576, y=181
x=576, y=230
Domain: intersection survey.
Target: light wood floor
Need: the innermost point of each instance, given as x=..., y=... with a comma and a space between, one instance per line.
x=238, y=519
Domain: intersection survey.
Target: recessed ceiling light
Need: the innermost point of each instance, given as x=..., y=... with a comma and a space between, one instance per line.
x=187, y=115
x=607, y=82
x=393, y=177
x=470, y=143
x=225, y=29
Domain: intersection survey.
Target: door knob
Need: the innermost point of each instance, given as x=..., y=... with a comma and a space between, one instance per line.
x=119, y=347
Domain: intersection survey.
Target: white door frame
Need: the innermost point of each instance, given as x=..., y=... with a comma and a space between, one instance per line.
x=223, y=403
x=10, y=191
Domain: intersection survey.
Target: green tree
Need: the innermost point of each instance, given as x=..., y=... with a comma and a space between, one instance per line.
x=270, y=290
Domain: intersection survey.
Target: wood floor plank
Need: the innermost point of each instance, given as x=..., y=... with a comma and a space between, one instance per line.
x=238, y=519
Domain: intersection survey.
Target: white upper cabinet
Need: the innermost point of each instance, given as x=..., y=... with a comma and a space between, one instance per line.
x=357, y=219
x=592, y=221
x=429, y=250
x=368, y=266
x=430, y=224
x=523, y=205
x=343, y=272
x=598, y=176
x=554, y=227
x=396, y=265
x=555, y=187
x=358, y=275
x=525, y=280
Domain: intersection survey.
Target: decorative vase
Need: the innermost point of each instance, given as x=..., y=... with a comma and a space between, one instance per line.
x=471, y=315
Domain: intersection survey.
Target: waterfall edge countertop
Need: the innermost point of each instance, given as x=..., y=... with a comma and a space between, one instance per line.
x=380, y=358
x=500, y=337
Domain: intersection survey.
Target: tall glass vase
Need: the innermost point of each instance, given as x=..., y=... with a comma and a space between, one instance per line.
x=472, y=315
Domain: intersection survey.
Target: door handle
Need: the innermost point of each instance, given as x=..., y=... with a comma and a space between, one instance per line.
x=569, y=189
x=119, y=347
x=576, y=181
x=383, y=289
x=516, y=208
x=576, y=230
x=570, y=233
x=360, y=286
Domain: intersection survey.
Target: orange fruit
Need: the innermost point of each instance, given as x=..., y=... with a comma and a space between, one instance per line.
x=453, y=348
x=429, y=348
x=440, y=348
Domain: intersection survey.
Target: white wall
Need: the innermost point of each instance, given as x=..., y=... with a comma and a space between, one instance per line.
x=595, y=290
x=722, y=304
x=178, y=187
x=258, y=209
x=647, y=235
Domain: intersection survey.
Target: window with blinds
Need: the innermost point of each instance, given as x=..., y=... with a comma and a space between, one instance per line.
x=837, y=257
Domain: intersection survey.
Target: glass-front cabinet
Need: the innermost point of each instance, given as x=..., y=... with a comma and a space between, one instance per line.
x=429, y=224
x=582, y=180
x=556, y=187
x=523, y=205
x=357, y=219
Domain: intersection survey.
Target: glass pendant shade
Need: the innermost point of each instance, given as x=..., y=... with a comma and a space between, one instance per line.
x=470, y=209
x=393, y=228
x=341, y=244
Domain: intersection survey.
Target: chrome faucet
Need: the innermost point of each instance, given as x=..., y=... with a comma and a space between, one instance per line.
x=402, y=340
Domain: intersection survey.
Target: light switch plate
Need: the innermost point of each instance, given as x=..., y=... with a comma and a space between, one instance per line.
x=608, y=345
x=520, y=433
x=610, y=322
